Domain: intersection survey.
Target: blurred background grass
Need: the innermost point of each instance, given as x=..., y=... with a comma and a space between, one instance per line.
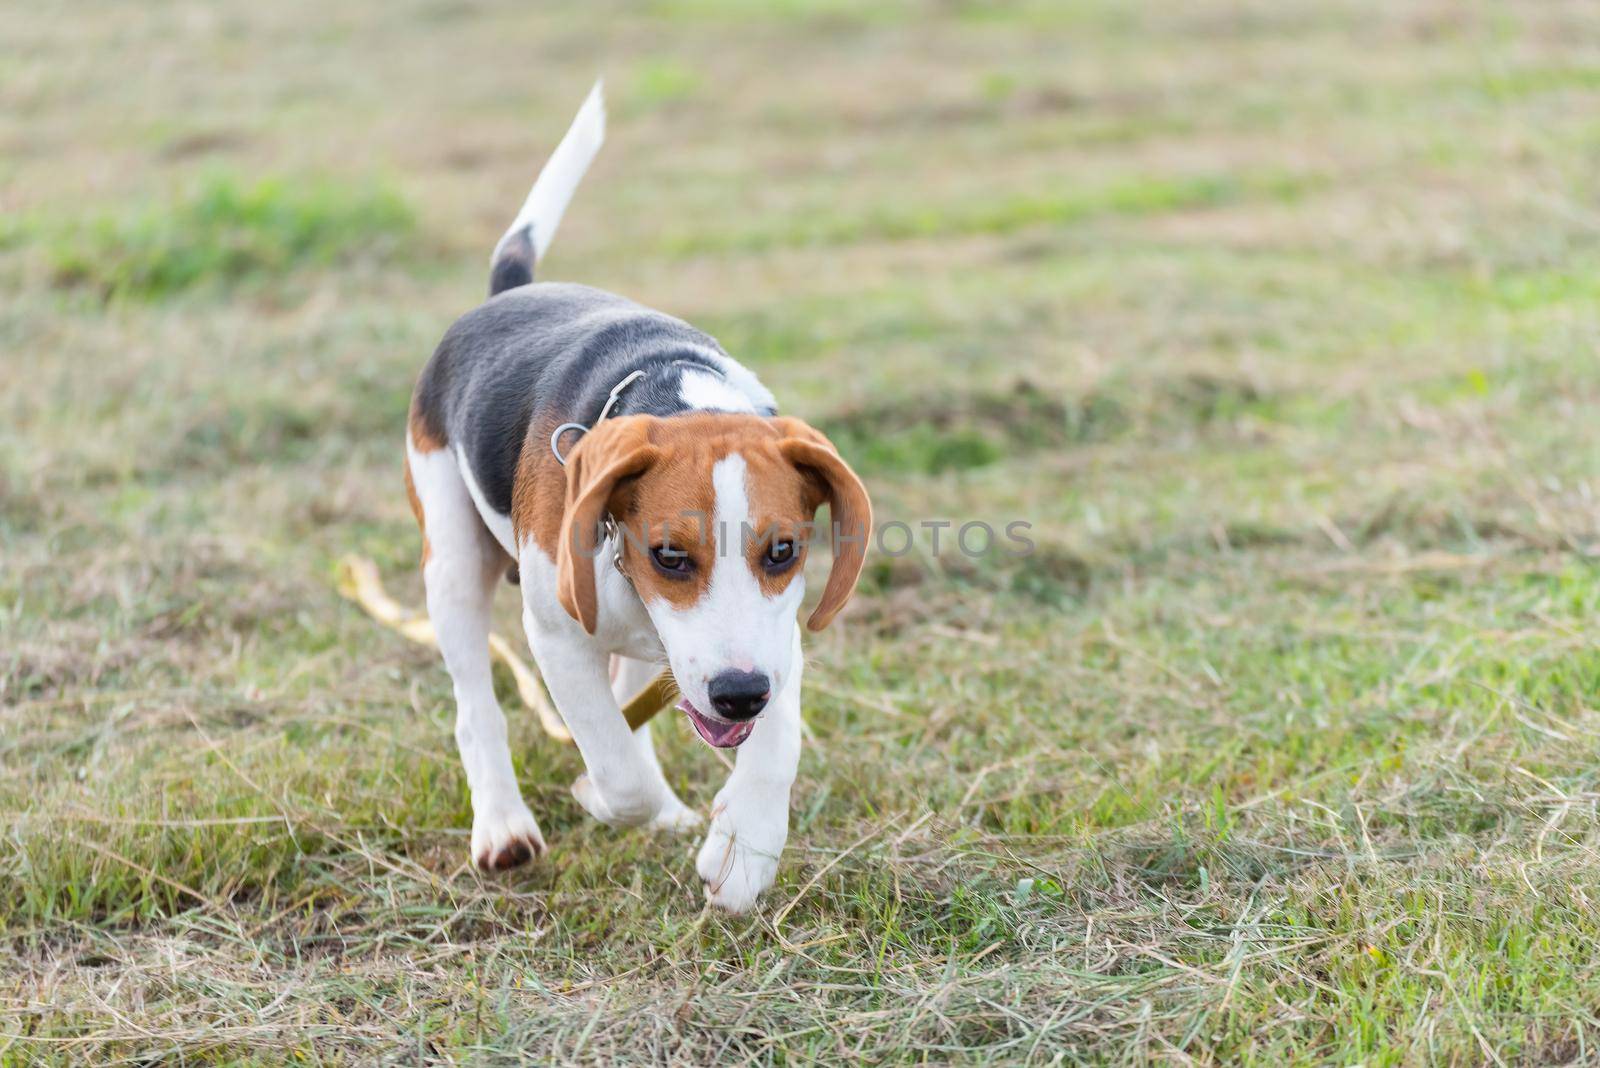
x=1277, y=322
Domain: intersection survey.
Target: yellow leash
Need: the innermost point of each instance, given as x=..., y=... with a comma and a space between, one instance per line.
x=359, y=581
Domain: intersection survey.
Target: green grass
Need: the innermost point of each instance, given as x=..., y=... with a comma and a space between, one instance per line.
x=1275, y=323
x=989, y=213
x=662, y=82
x=225, y=231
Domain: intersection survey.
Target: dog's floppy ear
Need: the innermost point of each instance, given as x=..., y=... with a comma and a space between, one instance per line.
x=615, y=450
x=849, y=507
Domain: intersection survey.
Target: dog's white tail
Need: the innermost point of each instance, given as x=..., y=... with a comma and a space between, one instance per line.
x=528, y=237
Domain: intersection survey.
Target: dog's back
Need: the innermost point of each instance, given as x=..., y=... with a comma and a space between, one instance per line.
x=538, y=355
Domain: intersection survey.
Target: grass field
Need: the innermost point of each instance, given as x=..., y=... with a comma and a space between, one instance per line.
x=1277, y=321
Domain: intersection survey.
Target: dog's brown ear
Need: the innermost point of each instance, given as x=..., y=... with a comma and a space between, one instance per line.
x=615, y=450
x=849, y=507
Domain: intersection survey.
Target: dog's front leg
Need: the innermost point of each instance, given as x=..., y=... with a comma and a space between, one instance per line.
x=628, y=677
x=622, y=787
x=750, y=816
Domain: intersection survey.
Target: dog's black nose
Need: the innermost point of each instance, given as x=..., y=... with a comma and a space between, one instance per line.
x=739, y=694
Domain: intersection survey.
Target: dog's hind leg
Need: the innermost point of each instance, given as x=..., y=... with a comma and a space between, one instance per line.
x=628, y=677
x=461, y=568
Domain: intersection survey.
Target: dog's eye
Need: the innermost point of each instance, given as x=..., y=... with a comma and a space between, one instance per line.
x=670, y=561
x=780, y=554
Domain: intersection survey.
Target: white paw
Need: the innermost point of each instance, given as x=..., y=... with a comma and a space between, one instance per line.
x=625, y=811
x=504, y=835
x=675, y=816
x=738, y=862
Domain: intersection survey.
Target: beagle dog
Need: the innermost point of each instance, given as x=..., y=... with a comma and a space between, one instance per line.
x=639, y=486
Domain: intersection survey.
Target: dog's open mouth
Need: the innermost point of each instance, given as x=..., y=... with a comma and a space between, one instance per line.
x=717, y=732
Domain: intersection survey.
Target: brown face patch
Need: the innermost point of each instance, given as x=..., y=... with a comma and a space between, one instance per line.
x=655, y=477
x=672, y=505
x=783, y=501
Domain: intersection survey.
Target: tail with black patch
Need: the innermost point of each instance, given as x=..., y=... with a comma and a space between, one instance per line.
x=529, y=235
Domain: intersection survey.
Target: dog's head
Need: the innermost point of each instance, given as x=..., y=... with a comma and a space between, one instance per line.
x=715, y=513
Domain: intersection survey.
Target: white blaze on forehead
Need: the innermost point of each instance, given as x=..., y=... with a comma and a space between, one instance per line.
x=703, y=389
x=734, y=625
x=732, y=498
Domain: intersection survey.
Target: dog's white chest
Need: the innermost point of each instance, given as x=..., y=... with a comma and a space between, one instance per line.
x=630, y=632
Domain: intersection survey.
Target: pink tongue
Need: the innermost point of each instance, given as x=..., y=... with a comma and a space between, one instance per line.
x=717, y=732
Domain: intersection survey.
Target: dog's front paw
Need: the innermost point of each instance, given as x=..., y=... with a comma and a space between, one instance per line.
x=624, y=810
x=740, y=857
x=504, y=835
